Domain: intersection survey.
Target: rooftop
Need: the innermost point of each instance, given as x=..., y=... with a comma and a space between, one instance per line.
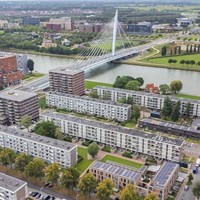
x=16, y=95
x=89, y=99
x=164, y=174
x=10, y=183
x=64, y=70
x=116, y=170
x=111, y=127
x=37, y=138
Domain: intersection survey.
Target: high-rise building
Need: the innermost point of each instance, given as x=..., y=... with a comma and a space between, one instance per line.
x=29, y=20
x=67, y=81
x=22, y=60
x=14, y=104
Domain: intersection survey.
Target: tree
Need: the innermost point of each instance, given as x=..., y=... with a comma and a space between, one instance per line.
x=192, y=62
x=94, y=94
x=176, y=86
x=58, y=134
x=176, y=111
x=140, y=80
x=26, y=121
x=93, y=149
x=128, y=193
x=187, y=110
x=136, y=113
x=30, y=65
x=196, y=190
x=105, y=189
x=46, y=128
x=167, y=108
x=170, y=61
x=133, y=85
x=151, y=196
x=106, y=96
x=121, y=82
x=35, y=168
x=21, y=161
x=164, y=51
x=182, y=62
x=164, y=88
x=52, y=173
x=69, y=178
x=121, y=100
x=190, y=178
x=7, y=157
x=187, y=62
x=130, y=100
x=87, y=184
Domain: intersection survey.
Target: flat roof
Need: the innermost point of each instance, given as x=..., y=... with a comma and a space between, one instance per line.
x=164, y=174
x=116, y=128
x=171, y=125
x=89, y=99
x=147, y=94
x=116, y=170
x=65, y=70
x=10, y=183
x=16, y=95
x=37, y=138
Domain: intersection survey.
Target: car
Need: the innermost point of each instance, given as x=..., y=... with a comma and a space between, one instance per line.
x=38, y=196
x=34, y=194
x=53, y=198
x=50, y=185
x=46, y=184
x=186, y=188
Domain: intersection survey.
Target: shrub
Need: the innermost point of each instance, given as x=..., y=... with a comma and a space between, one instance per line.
x=68, y=138
x=86, y=143
x=106, y=149
x=127, y=154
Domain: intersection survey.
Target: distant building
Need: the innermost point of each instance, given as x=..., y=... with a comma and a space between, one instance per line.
x=67, y=81
x=151, y=88
x=184, y=22
x=3, y=24
x=142, y=28
x=53, y=26
x=14, y=104
x=22, y=60
x=91, y=28
x=48, y=44
x=12, y=188
x=66, y=42
x=29, y=20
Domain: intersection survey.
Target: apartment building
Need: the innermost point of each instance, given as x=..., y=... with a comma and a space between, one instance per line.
x=29, y=20
x=14, y=104
x=96, y=107
x=48, y=149
x=160, y=183
x=118, y=136
x=67, y=81
x=12, y=188
x=148, y=100
x=170, y=127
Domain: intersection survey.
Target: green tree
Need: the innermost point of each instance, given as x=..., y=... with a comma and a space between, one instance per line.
x=182, y=62
x=164, y=51
x=26, y=121
x=167, y=108
x=130, y=100
x=93, y=149
x=58, y=134
x=190, y=178
x=52, y=173
x=192, y=62
x=196, y=190
x=7, y=157
x=133, y=85
x=135, y=112
x=176, y=111
x=106, y=96
x=176, y=86
x=35, y=168
x=151, y=196
x=187, y=62
x=121, y=82
x=128, y=193
x=94, y=94
x=30, y=65
x=69, y=178
x=140, y=80
x=187, y=110
x=164, y=88
x=121, y=100
x=46, y=128
x=105, y=189
x=87, y=184
x=21, y=161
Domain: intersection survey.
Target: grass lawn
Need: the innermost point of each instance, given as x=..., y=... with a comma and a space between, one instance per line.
x=122, y=161
x=1, y=32
x=187, y=96
x=85, y=163
x=30, y=77
x=91, y=84
x=130, y=124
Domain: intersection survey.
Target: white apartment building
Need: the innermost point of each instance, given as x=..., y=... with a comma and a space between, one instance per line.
x=48, y=149
x=148, y=100
x=22, y=61
x=96, y=107
x=12, y=188
x=118, y=136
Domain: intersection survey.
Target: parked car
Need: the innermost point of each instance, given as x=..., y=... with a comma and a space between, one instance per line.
x=34, y=194
x=186, y=188
x=38, y=196
x=46, y=184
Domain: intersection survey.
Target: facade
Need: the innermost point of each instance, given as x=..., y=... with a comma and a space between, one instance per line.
x=118, y=136
x=170, y=127
x=14, y=104
x=9, y=74
x=149, y=100
x=28, y=20
x=22, y=60
x=48, y=149
x=67, y=81
x=59, y=24
x=184, y=22
x=12, y=188
x=160, y=183
x=142, y=28
x=91, y=28
x=54, y=26
x=96, y=107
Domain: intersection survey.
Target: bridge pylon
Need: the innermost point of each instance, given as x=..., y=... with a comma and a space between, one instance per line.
x=115, y=26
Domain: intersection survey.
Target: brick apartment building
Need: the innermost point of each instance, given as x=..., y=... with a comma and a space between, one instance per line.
x=9, y=74
x=67, y=81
